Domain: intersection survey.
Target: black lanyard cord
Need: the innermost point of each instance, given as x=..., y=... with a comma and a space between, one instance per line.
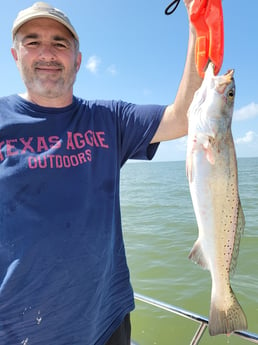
x=172, y=7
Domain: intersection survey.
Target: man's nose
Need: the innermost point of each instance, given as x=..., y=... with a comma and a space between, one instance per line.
x=47, y=51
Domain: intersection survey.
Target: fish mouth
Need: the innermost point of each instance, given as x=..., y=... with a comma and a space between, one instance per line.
x=225, y=80
x=220, y=81
x=229, y=75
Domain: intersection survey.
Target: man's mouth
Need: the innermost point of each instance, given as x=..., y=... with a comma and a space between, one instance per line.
x=48, y=67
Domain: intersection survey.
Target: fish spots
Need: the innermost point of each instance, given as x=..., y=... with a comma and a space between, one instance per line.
x=227, y=246
x=227, y=221
x=227, y=259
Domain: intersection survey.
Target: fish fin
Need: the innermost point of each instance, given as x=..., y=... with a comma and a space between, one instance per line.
x=208, y=151
x=197, y=256
x=226, y=321
x=239, y=231
x=210, y=157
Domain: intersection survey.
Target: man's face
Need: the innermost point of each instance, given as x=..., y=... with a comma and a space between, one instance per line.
x=46, y=55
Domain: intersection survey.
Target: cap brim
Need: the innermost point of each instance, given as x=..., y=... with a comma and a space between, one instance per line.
x=18, y=24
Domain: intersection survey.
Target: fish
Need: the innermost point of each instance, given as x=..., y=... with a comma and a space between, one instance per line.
x=211, y=167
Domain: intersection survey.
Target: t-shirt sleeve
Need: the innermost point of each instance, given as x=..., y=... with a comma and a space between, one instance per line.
x=139, y=124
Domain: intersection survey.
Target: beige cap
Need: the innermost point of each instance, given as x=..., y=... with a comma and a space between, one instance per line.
x=42, y=10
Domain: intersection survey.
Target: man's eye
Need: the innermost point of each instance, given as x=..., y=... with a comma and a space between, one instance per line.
x=60, y=45
x=32, y=43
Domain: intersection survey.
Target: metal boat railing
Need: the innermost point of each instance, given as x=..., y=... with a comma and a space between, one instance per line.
x=203, y=321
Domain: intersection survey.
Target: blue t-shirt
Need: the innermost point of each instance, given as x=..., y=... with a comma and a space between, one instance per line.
x=64, y=279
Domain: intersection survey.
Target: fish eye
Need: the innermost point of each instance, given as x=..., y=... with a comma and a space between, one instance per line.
x=231, y=93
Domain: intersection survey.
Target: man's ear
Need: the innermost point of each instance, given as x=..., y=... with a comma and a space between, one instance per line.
x=14, y=54
x=78, y=61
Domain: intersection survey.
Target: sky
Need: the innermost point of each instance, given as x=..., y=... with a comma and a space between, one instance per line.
x=132, y=51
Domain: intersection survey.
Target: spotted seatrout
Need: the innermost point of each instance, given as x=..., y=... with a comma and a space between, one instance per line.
x=213, y=181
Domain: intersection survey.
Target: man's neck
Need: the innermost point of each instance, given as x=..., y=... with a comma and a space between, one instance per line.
x=55, y=102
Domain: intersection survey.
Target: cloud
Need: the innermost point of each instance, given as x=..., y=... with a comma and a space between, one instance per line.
x=248, y=138
x=93, y=63
x=112, y=70
x=247, y=112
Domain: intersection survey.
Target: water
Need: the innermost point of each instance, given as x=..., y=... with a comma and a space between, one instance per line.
x=159, y=231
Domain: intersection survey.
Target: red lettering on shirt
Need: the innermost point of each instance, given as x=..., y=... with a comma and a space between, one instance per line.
x=101, y=139
x=27, y=146
x=10, y=149
x=42, y=145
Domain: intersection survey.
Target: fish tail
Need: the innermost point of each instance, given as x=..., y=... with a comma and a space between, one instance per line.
x=226, y=321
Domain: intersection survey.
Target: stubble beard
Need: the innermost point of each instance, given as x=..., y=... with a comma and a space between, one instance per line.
x=46, y=85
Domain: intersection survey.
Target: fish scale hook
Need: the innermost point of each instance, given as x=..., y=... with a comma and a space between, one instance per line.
x=172, y=7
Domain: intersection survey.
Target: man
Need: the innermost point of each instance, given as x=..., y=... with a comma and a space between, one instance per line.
x=63, y=272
